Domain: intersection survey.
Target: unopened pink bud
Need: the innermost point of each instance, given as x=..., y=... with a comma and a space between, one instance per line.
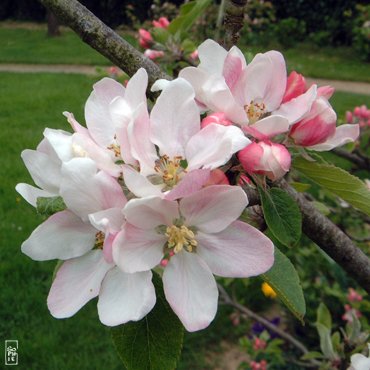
x=217, y=177
x=172, y=253
x=153, y=54
x=145, y=38
x=296, y=85
x=217, y=117
x=162, y=22
x=325, y=91
x=164, y=262
x=357, y=111
x=349, y=117
x=194, y=55
x=353, y=296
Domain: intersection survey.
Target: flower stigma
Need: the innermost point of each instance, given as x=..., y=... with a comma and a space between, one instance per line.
x=255, y=111
x=180, y=237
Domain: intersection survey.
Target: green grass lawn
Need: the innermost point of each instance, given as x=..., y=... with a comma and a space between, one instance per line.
x=31, y=102
x=33, y=46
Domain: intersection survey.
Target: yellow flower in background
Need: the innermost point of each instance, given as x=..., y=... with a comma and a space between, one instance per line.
x=268, y=291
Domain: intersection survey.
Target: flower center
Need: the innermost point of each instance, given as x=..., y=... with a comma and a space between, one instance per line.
x=180, y=237
x=170, y=171
x=99, y=240
x=255, y=111
x=116, y=149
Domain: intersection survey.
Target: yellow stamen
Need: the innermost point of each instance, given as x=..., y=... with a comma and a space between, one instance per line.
x=255, y=111
x=99, y=240
x=170, y=170
x=180, y=238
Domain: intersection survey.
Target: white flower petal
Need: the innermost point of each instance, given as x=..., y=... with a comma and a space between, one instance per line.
x=125, y=297
x=30, y=193
x=62, y=236
x=214, y=145
x=150, y=212
x=77, y=281
x=238, y=251
x=174, y=118
x=213, y=208
x=137, y=250
x=191, y=290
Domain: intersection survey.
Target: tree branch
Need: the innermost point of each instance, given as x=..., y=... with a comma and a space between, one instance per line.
x=234, y=21
x=229, y=301
x=103, y=39
x=331, y=239
x=360, y=162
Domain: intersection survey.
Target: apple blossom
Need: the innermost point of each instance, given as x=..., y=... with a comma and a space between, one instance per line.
x=266, y=158
x=145, y=38
x=249, y=95
x=359, y=361
x=199, y=236
x=82, y=236
x=153, y=54
x=186, y=153
x=162, y=22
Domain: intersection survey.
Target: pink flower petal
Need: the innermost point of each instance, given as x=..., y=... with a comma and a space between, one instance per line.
x=295, y=109
x=125, y=297
x=296, y=85
x=212, y=57
x=213, y=208
x=192, y=182
x=62, y=236
x=191, y=290
x=344, y=134
x=30, y=193
x=238, y=251
x=137, y=250
x=77, y=281
x=268, y=127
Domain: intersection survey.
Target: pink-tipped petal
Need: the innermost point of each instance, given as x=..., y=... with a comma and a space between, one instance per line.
x=62, y=236
x=325, y=91
x=137, y=250
x=77, y=281
x=191, y=182
x=238, y=251
x=296, y=85
x=233, y=67
x=213, y=208
x=191, y=290
x=268, y=127
x=125, y=297
x=295, y=109
x=344, y=134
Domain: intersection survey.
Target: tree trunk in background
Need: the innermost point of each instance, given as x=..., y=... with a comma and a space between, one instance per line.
x=53, y=24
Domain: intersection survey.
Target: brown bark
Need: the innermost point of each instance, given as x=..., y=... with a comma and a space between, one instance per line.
x=53, y=24
x=234, y=21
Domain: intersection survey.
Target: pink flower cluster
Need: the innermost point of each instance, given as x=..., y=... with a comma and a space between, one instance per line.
x=142, y=191
x=146, y=190
x=360, y=115
x=262, y=365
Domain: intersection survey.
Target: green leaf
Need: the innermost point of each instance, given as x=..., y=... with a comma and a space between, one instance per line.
x=341, y=183
x=153, y=343
x=324, y=316
x=189, y=13
x=312, y=355
x=160, y=35
x=47, y=206
x=283, y=278
x=282, y=215
x=300, y=186
x=326, y=344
